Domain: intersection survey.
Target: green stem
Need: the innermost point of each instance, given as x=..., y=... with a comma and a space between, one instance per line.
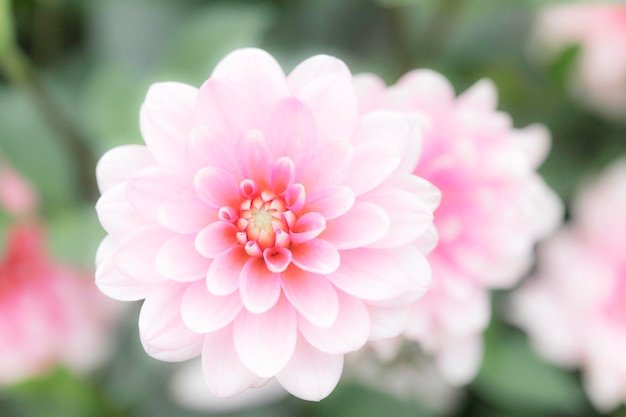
x=19, y=72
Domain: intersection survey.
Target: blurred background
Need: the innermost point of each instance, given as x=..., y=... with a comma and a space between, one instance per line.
x=73, y=75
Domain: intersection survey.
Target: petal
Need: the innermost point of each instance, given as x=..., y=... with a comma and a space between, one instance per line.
x=207, y=148
x=265, y=342
x=311, y=295
x=259, y=288
x=369, y=90
x=311, y=374
x=257, y=72
x=282, y=174
x=179, y=260
x=227, y=108
x=186, y=215
x=290, y=129
x=363, y=224
x=423, y=90
x=349, y=331
x=423, y=189
x=328, y=165
x=317, y=256
x=119, y=164
x=117, y=216
x=480, y=97
x=216, y=187
x=223, y=275
x=386, y=322
x=254, y=156
x=135, y=255
x=330, y=202
x=277, y=259
x=373, y=162
x=204, y=312
x=307, y=227
x=163, y=333
x=313, y=68
x=395, y=128
x=153, y=186
x=216, y=238
x=410, y=217
x=370, y=274
x=224, y=372
x=166, y=119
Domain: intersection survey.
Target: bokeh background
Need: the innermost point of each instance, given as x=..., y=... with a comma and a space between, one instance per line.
x=75, y=91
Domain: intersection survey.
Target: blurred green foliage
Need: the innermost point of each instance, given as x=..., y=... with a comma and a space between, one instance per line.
x=96, y=60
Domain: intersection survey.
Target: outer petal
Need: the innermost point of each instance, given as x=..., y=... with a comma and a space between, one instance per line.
x=119, y=164
x=387, y=322
x=311, y=374
x=257, y=72
x=136, y=254
x=328, y=166
x=363, y=224
x=204, y=312
x=330, y=202
x=290, y=129
x=179, y=260
x=311, y=295
x=349, y=331
x=166, y=119
x=117, y=216
x=206, y=148
x=224, y=372
x=223, y=275
x=163, y=333
x=216, y=238
x=216, y=187
x=265, y=342
x=372, y=163
x=259, y=288
x=317, y=256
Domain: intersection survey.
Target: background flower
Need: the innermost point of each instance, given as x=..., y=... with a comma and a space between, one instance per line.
x=268, y=226
x=573, y=306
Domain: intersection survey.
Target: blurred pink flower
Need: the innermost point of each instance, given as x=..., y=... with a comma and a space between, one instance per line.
x=574, y=306
x=49, y=313
x=494, y=207
x=268, y=226
x=599, y=76
x=16, y=194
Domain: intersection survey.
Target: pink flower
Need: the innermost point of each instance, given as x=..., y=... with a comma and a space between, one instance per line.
x=269, y=227
x=599, y=76
x=49, y=313
x=494, y=207
x=574, y=306
x=16, y=194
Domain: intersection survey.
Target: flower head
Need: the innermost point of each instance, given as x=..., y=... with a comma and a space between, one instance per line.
x=494, y=206
x=574, y=305
x=268, y=226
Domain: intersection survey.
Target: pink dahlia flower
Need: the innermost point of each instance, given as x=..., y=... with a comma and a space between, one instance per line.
x=268, y=226
x=50, y=314
x=599, y=76
x=574, y=306
x=494, y=206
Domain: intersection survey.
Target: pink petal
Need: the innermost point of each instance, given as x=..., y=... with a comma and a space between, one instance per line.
x=259, y=288
x=204, y=312
x=421, y=188
x=533, y=141
x=290, y=129
x=135, y=255
x=317, y=256
x=163, y=333
x=331, y=202
x=307, y=227
x=282, y=174
x=179, y=260
x=224, y=372
x=311, y=374
x=328, y=165
x=313, y=68
x=295, y=196
x=207, y=148
x=112, y=282
x=217, y=187
x=409, y=216
x=481, y=97
x=227, y=108
x=311, y=295
x=119, y=164
x=223, y=275
x=265, y=342
x=372, y=163
x=166, y=119
x=370, y=274
x=151, y=187
x=395, y=128
x=386, y=322
x=115, y=213
x=369, y=89
x=216, y=238
x=277, y=259
x=254, y=156
x=332, y=101
x=363, y=224
x=188, y=215
x=257, y=72
x=349, y=331
x=425, y=90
